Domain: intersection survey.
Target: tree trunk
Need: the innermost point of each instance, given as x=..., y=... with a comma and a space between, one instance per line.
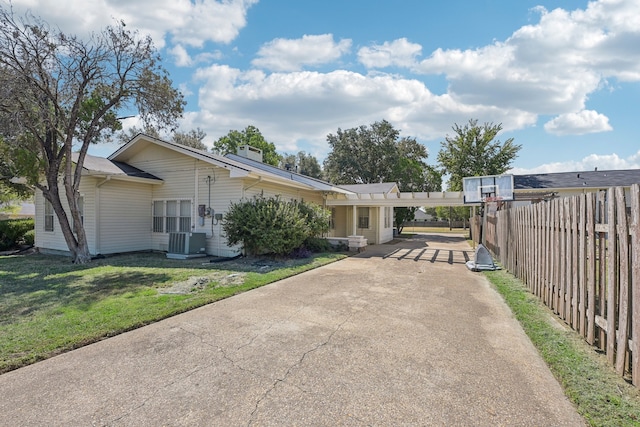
x=77, y=243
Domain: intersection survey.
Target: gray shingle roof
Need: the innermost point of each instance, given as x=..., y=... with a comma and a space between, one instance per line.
x=314, y=183
x=109, y=167
x=585, y=179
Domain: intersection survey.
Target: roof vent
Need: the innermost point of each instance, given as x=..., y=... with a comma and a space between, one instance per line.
x=250, y=152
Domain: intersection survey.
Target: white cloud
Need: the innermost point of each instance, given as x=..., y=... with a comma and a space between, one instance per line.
x=590, y=162
x=399, y=52
x=295, y=54
x=189, y=23
x=291, y=107
x=551, y=67
x=580, y=123
x=180, y=55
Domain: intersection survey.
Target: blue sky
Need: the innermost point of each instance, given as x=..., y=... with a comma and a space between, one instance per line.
x=562, y=77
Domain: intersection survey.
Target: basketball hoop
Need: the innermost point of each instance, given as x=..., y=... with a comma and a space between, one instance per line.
x=490, y=188
x=492, y=199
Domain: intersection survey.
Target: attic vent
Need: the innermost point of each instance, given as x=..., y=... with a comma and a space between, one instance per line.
x=250, y=152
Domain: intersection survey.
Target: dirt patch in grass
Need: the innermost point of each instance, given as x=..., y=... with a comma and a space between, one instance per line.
x=198, y=283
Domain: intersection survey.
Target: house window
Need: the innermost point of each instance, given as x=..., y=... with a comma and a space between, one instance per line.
x=171, y=216
x=48, y=216
x=332, y=219
x=158, y=216
x=185, y=215
x=388, y=211
x=363, y=217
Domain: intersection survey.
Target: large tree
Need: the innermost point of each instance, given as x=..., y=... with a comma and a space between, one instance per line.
x=62, y=92
x=192, y=139
x=251, y=135
x=472, y=151
x=303, y=163
x=377, y=153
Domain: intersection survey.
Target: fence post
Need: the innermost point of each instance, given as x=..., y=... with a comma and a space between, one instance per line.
x=635, y=283
x=623, y=280
x=612, y=255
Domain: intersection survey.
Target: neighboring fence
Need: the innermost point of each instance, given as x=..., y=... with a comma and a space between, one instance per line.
x=437, y=224
x=581, y=256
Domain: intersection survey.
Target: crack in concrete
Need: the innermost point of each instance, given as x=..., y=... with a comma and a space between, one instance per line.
x=252, y=339
x=292, y=367
x=188, y=375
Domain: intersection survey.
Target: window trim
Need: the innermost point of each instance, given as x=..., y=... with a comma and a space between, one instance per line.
x=49, y=217
x=177, y=223
x=388, y=215
x=361, y=218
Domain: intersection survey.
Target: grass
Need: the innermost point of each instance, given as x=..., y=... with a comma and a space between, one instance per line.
x=48, y=305
x=600, y=396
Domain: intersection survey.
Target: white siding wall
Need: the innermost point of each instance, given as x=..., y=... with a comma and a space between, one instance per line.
x=216, y=193
x=386, y=233
x=54, y=241
x=124, y=216
x=341, y=222
x=271, y=190
x=178, y=173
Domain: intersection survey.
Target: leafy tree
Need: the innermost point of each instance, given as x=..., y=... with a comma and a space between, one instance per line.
x=303, y=163
x=192, y=139
x=472, y=152
x=10, y=189
x=455, y=213
x=272, y=225
x=375, y=154
x=249, y=136
x=62, y=92
x=133, y=131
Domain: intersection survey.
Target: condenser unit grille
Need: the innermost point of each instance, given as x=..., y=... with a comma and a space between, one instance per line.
x=177, y=243
x=187, y=243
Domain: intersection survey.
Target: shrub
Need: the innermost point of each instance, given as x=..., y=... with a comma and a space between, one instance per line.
x=13, y=233
x=316, y=244
x=271, y=225
x=301, y=252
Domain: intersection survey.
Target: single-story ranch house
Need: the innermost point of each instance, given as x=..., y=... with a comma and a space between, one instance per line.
x=150, y=191
x=134, y=199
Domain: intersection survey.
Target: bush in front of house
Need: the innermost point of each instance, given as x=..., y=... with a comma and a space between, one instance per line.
x=272, y=225
x=16, y=232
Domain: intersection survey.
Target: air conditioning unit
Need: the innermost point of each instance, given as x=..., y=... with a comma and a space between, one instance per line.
x=187, y=245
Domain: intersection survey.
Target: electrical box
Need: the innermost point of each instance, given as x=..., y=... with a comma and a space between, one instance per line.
x=218, y=216
x=201, y=211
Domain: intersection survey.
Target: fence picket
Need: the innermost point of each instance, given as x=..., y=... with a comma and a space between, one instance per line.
x=591, y=273
x=580, y=256
x=635, y=284
x=575, y=264
x=612, y=255
x=623, y=281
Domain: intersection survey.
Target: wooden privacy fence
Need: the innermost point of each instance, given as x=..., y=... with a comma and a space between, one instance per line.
x=581, y=256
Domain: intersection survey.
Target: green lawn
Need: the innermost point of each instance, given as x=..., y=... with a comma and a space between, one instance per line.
x=48, y=305
x=600, y=396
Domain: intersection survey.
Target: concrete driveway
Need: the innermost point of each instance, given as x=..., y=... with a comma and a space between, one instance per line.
x=399, y=335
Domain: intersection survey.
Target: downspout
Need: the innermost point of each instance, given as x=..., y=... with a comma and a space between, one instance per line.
x=194, y=207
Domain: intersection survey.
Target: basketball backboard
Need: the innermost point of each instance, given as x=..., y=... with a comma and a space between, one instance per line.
x=479, y=189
